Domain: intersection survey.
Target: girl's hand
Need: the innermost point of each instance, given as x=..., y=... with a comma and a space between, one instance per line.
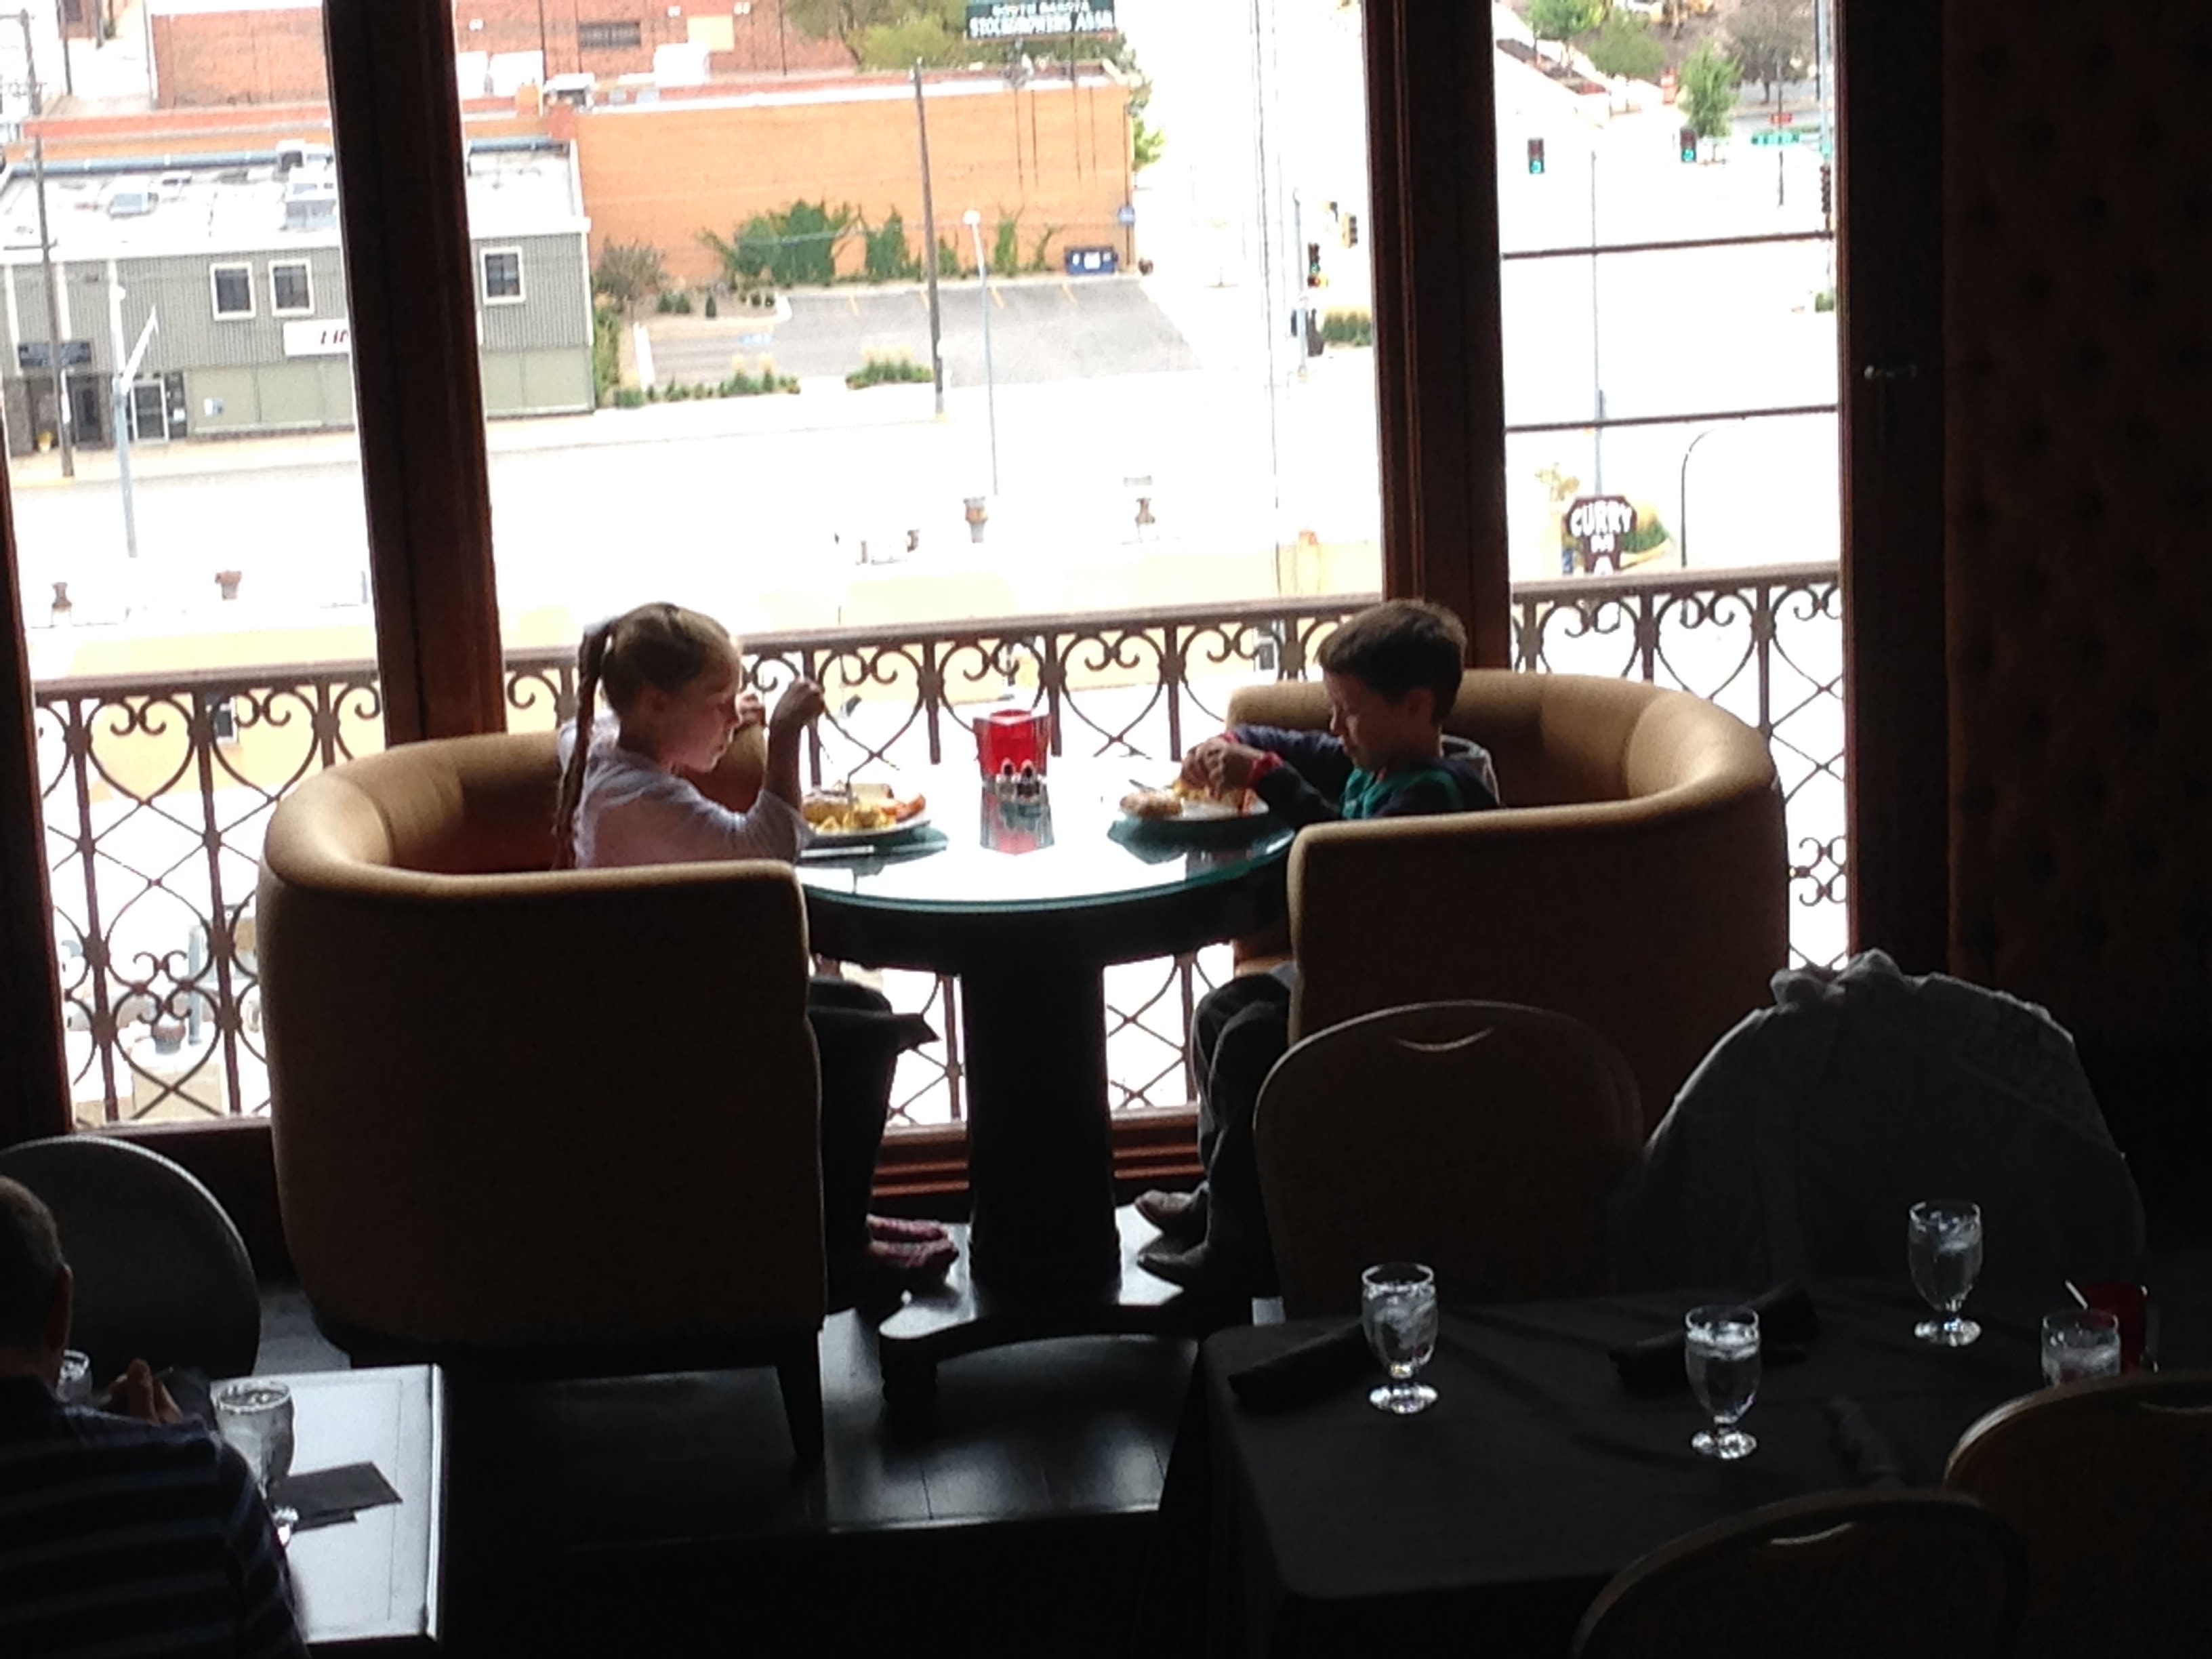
x=752, y=711
x=799, y=707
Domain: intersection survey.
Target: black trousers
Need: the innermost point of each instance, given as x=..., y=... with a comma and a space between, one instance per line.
x=1237, y=1034
x=859, y=1041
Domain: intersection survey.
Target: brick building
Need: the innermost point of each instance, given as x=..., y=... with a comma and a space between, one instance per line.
x=209, y=52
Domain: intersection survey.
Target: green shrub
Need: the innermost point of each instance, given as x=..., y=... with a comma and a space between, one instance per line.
x=1347, y=328
x=888, y=257
x=1624, y=45
x=1825, y=300
x=794, y=246
x=711, y=310
x=676, y=303
x=606, y=351
x=628, y=397
x=875, y=370
x=1006, y=246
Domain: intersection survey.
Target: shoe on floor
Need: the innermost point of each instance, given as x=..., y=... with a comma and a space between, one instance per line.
x=1181, y=1216
x=1205, y=1271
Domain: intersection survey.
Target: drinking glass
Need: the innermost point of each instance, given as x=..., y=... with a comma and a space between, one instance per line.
x=1944, y=1241
x=1398, y=1307
x=76, y=1377
x=1720, y=1350
x=254, y=1413
x=2080, y=1344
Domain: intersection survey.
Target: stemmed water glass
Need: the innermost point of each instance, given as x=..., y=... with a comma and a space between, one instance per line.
x=254, y=1415
x=1398, y=1308
x=1720, y=1350
x=1943, y=1243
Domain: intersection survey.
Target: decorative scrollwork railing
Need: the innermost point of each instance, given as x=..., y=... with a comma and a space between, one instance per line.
x=156, y=789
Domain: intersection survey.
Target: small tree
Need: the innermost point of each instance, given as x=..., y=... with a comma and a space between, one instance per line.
x=1772, y=41
x=1564, y=20
x=630, y=274
x=1624, y=45
x=1708, y=95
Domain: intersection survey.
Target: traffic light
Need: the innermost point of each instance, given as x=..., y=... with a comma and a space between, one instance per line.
x=1351, y=230
x=1313, y=265
x=1828, y=189
x=1535, y=155
x=1687, y=140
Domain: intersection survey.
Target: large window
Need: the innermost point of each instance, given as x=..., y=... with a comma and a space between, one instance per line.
x=608, y=37
x=502, y=277
x=162, y=583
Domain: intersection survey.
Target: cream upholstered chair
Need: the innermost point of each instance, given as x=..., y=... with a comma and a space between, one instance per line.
x=1637, y=876
x=1478, y=1137
x=561, y=1121
x=1841, y=1574
x=2107, y=1483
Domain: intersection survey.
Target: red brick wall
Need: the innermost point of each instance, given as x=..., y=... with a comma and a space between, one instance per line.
x=661, y=175
x=240, y=57
x=763, y=43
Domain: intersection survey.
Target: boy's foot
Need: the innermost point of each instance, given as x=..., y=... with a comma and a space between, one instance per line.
x=1181, y=1216
x=897, y=1230
x=1205, y=1271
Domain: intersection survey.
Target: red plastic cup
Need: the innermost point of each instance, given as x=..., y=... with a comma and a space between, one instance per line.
x=2131, y=1305
x=1015, y=737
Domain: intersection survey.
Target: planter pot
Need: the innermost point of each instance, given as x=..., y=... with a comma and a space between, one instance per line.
x=227, y=582
x=978, y=515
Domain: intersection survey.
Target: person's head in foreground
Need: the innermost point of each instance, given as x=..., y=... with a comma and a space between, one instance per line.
x=1392, y=674
x=671, y=677
x=35, y=1288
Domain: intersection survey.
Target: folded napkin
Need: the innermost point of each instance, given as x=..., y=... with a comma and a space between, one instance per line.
x=1863, y=1445
x=324, y=1497
x=1787, y=1320
x=1312, y=1371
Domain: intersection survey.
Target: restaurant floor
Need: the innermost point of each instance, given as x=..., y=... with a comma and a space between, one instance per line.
x=623, y=1516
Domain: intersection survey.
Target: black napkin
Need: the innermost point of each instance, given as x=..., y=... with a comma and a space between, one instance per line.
x=327, y=1497
x=1310, y=1372
x=1787, y=1320
x=1863, y=1445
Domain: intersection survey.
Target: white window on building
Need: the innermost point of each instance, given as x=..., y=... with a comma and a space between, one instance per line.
x=234, y=289
x=291, y=290
x=503, y=276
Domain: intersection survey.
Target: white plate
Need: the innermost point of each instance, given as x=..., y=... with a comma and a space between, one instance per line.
x=1197, y=812
x=885, y=837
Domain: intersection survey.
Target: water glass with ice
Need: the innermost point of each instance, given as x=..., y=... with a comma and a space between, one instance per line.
x=2080, y=1344
x=1398, y=1309
x=254, y=1413
x=76, y=1383
x=1943, y=1244
x=1720, y=1350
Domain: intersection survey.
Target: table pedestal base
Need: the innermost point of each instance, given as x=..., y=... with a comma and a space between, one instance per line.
x=964, y=1317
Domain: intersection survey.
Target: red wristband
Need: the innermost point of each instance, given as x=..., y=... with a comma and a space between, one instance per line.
x=1268, y=763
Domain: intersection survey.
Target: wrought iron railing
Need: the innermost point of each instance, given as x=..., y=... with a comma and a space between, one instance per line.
x=156, y=789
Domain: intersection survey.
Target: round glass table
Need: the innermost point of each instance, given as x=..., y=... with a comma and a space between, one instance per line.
x=1027, y=903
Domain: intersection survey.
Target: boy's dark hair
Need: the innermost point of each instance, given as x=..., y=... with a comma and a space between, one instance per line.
x=1401, y=645
x=30, y=1263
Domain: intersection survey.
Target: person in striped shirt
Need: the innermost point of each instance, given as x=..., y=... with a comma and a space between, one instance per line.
x=121, y=1532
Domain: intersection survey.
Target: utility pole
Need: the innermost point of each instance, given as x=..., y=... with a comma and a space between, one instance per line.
x=61, y=33
x=46, y=258
x=974, y=221
x=127, y=372
x=1597, y=371
x=929, y=245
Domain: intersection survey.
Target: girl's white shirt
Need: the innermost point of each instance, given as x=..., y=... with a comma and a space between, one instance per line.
x=634, y=812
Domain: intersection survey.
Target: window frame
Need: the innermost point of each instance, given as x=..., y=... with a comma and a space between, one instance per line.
x=485, y=257
x=306, y=270
x=215, y=291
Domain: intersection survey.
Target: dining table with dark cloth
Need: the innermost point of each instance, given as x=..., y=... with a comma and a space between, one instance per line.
x=1330, y=1527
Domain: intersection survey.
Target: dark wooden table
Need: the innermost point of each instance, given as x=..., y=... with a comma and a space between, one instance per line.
x=1027, y=908
x=1501, y=1512
x=375, y=1580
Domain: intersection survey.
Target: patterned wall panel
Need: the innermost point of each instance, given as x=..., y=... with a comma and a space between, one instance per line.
x=2078, y=330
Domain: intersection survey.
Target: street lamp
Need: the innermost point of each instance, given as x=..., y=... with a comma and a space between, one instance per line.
x=1682, y=498
x=974, y=221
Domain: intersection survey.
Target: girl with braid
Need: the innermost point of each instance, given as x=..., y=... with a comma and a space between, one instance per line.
x=648, y=793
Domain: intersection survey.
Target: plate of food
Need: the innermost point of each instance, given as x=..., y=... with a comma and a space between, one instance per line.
x=1188, y=803
x=862, y=814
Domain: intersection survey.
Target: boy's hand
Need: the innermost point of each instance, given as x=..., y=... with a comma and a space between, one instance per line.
x=752, y=711
x=138, y=1393
x=1224, y=766
x=799, y=707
